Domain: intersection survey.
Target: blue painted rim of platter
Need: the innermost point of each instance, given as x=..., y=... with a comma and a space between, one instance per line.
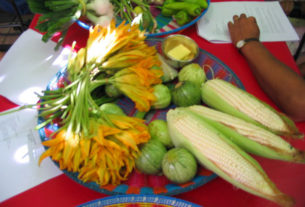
x=139, y=199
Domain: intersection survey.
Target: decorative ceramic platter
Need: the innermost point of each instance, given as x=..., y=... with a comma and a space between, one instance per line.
x=139, y=183
x=139, y=201
x=165, y=25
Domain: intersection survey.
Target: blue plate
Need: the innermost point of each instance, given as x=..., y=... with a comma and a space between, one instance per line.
x=139, y=201
x=139, y=183
x=165, y=25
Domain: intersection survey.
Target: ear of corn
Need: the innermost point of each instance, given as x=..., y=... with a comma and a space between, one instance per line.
x=226, y=97
x=251, y=138
x=216, y=152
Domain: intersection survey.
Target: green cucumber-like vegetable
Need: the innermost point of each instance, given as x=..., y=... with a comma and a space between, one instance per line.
x=168, y=2
x=191, y=8
x=192, y=72
x=158, y=130
x=179, y=165
x=182, y=17
x=112, y=108
x=186, y=93
x=203, y=3
x=163, y=96
x=167, y=12
x=150, y=159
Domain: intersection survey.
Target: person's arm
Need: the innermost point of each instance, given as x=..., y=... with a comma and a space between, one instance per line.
x=285, y=87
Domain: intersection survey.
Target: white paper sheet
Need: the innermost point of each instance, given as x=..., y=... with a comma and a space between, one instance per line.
x=20, y=149
x=271, y=19
x=28, y=66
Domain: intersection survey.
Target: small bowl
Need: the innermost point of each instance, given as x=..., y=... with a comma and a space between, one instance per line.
x=176, y=45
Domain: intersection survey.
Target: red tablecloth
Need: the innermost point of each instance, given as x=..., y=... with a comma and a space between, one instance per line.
x=290, y=178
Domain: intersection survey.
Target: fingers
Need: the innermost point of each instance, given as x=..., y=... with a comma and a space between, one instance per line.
x=231, y=30
x=230, y=24
x=230, y=27
x=252, y=19
x=243, y=17
x=235, y=18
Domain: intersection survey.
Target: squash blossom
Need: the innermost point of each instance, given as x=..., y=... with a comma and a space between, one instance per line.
x=102, y=148
x=136, y=83
x=108, y=157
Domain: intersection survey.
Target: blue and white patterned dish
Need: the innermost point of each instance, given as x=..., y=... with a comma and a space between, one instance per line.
x=139, y=201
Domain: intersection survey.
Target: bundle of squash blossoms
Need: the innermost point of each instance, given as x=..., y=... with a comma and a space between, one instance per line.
x=101, y=147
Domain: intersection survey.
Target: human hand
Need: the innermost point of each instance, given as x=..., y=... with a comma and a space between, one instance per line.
x=243, y=27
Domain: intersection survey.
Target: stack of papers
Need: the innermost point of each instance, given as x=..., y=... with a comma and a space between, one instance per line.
x=270, y=17
x=25, y=69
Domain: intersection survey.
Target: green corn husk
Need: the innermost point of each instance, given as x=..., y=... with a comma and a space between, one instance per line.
x=230, y=99
x=169, y=73
x=250, y=137
x=217, y=153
